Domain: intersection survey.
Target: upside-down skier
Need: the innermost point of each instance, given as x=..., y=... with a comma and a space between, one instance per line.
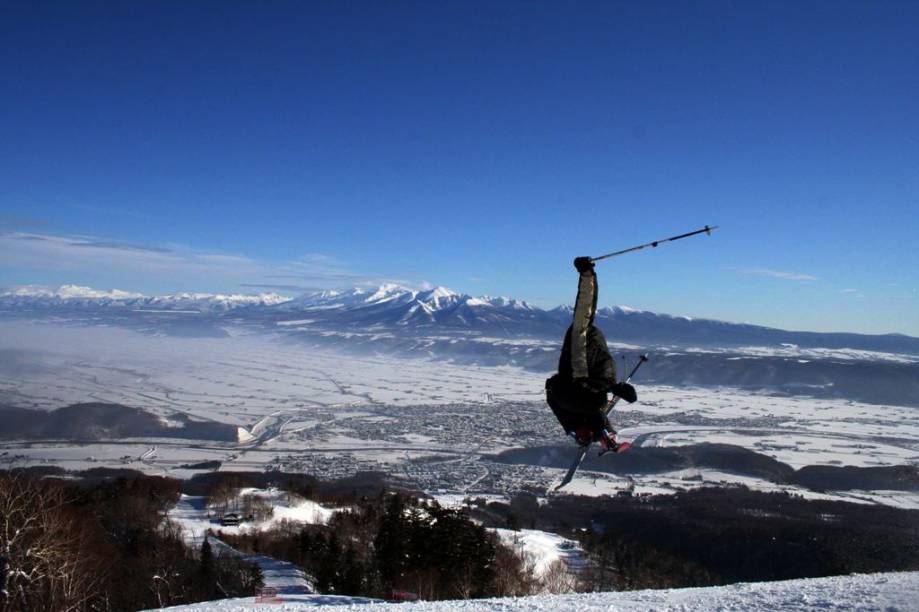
x=577, y=394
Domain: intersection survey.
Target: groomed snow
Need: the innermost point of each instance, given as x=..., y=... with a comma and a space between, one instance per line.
x=894, y=591
x=542, y=549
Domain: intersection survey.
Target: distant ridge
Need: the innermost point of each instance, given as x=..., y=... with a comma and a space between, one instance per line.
x=403, y=311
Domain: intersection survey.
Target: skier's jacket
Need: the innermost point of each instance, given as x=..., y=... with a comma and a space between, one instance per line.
x=586, y=371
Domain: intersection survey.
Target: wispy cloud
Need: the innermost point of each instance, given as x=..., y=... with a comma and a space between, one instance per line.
x=172, y=265
x=780, y=274
x=117, y=246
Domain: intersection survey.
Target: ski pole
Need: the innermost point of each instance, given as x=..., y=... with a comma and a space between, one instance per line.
x=706, y=230
x=612, y=403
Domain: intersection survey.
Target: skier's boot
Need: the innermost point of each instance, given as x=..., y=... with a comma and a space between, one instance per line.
x=608, y=442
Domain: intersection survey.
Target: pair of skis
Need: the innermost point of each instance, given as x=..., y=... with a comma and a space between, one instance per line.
x=583, y=448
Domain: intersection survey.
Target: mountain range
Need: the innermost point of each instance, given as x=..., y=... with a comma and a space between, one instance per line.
x=440, y=324
x=406, y=312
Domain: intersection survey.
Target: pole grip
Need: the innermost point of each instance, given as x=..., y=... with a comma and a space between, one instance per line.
x=615, y=399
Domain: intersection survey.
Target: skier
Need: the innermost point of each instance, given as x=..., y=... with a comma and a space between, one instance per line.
x=577, y=394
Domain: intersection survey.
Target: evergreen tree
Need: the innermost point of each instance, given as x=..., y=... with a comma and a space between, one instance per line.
x=390, y=544
x=332, y=563
x=206, y=563
x=352, y=574
x=304, y=548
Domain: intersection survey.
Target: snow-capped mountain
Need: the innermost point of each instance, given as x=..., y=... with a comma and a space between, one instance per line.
x=69, y=292
x=75, y=296
x=442, y=324
x=394, y=305
x=440, y=311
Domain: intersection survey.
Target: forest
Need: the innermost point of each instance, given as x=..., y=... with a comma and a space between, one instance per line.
x=99, y=540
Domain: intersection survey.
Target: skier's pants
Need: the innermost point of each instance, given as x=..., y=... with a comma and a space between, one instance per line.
x=574, y=407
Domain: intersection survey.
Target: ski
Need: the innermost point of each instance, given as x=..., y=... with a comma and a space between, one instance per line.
x=582, y=452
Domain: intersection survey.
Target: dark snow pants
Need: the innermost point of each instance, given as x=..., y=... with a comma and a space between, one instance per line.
x=575, y=407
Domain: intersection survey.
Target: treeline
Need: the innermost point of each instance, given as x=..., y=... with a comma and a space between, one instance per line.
x=101, y=542
x=395, y=544
x=714, y=536
x=103, y=545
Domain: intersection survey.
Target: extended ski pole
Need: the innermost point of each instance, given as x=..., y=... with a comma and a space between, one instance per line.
x=612, y=403
x=706, y=230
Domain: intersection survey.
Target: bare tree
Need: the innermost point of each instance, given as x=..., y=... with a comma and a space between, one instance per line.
x=256, y=507
x=51, y=563
x=513, y=574
x=558, y=578
x=223, y=495
x=464, y=583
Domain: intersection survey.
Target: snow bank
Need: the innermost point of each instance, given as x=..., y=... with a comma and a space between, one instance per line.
x=896, y=591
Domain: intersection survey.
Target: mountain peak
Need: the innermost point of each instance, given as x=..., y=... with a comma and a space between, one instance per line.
x=507, y=302
x=441, y=291
x=386, y=292
x=436, y=294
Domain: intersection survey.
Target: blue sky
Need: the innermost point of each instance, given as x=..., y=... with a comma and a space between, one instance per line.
x=229, y=146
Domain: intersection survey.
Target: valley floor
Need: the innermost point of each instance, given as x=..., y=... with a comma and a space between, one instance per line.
x=436, y=426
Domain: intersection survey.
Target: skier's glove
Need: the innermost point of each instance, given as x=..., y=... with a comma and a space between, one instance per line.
x=625, y=391
x=583, y=264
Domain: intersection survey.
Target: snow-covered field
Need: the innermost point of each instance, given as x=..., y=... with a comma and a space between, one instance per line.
x=887, y=592
x=238, y=380
x=432, y=423
x=804, y=353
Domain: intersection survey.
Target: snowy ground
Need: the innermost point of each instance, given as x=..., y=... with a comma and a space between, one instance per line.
x=541, y=549
x=433, y=424
x=888, y=592
x=195, y=519
x=239, y=380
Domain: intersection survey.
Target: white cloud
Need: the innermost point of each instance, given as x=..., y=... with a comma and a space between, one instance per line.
x=170, y=265
x=792, y=276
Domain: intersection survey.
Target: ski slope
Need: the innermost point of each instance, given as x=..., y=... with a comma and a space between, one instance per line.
x=191, y=515
x=541, y=549
x=889, y=592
